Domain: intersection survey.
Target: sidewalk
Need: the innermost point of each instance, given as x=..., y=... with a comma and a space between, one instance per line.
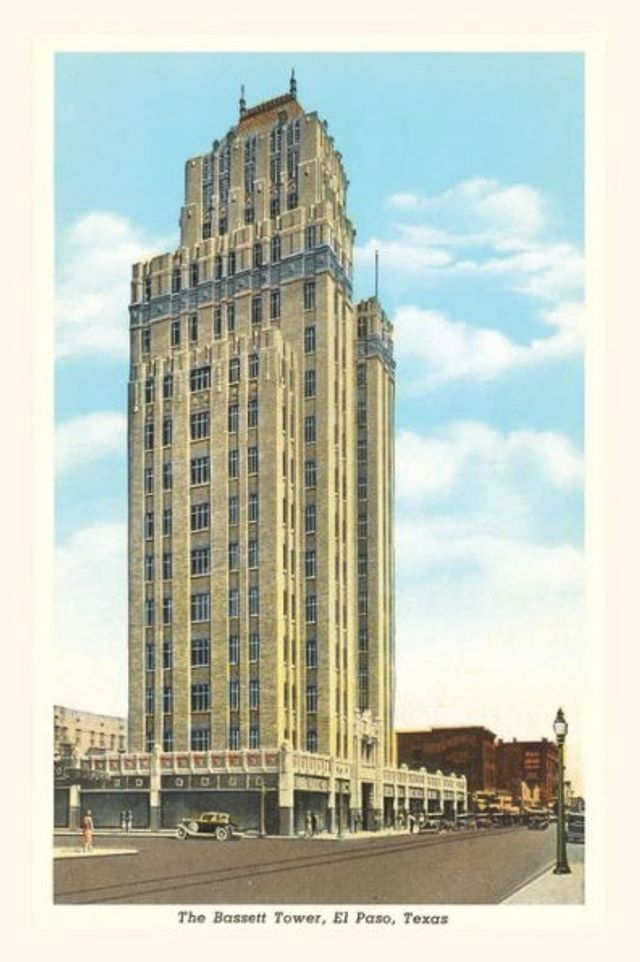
x=550, y=889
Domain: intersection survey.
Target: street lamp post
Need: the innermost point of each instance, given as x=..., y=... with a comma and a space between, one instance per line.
x=339, y=809
x=560, y=729
x=263, y=790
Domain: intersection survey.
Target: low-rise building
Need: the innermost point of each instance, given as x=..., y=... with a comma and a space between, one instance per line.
x=469, y=751
x=87, y=733
x=529, y=770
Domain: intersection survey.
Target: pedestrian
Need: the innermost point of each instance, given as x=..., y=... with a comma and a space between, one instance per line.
x=87, y=833
x=123, y=820
x=308, y=824
x=410, y=822
x=314, y=823
x=129, y=820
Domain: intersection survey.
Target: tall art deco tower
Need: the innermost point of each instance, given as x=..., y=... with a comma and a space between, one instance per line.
x=261, y=443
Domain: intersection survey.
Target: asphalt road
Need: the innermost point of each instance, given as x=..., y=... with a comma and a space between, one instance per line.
x=474, y=868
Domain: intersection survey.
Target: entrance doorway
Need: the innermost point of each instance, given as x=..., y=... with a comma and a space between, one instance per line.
x=368, y=814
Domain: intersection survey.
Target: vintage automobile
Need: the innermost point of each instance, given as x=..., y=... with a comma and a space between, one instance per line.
x=538, y=822
x=218, y=824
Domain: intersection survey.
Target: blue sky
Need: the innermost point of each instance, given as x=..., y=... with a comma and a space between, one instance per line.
x=466, y=173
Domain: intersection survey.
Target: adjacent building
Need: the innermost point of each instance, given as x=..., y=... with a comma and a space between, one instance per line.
x=469, y=751
x=529, y=770
x=77, y=732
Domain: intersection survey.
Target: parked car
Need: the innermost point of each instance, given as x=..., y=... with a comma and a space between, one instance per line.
x=575, y=827
x=538, y=822
x=218, y=824
x=430, y=825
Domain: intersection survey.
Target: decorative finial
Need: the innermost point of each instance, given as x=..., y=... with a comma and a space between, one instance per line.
x=243, y=102
x=293, y=86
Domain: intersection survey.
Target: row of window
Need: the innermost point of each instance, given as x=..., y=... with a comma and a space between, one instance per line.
x=201, y=515
x=201, y=560
x=201, y=652
x=275, y=310
x=201, y=606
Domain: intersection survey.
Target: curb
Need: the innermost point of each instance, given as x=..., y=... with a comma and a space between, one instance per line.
x=532, y=878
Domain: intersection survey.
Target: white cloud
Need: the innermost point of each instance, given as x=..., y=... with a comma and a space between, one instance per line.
x=89, y=437
x=435, y=349
x=91, y=619
x=504, y=226
x=93, y=283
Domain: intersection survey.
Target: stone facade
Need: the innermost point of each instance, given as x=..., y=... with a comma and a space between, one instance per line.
x=85, y=732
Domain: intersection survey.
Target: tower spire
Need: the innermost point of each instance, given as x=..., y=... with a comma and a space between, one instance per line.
x=243, y=102
x=293, y=86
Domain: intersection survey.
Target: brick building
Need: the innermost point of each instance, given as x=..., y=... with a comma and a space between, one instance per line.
x=529, y=770
x=86, y=733
x=469, y=751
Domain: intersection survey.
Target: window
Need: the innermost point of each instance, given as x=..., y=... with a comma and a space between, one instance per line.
x=200, y=425
x=149, y=656
x=309, y=295
x=167, y=653
x=149, y=567
x=231, y=318
x=362, y=375
x=194, y=273
x=256, y=309
x=234, y=509
x=217, y=322
x=222, y=225
x=200, y=739
x=167, y=475
x=175, y=333
x=145, y=342
x=176, y=280
x=200, y=696
x=275, y=304
x=149, y=697
x=310, y=339
x=232, y=419
x=234, y=649
x=310, y=429
x=217, y=266
x=167, y=610
x=254, y=737
x=149, y=390
x=200, y=516
x=200, y=470
x=362, y=487
x=148, y=479
x=234, y=738
x=234, y=463
x=254, y=600
x=234, y=370
x=253, y=553
x=149, y=741
x=252, y=413
x=310, y=235
x=167, y=431
x=362, y=414
x=147, y=289
x=362, y=564
x=167, y=386
x=310, y=564
x=254, y=646
x=167, y=740
x=276, y=249
x=193, y=327
x=233, y=555
x=233, y=603
x=362, y=449
x=310, y=474
x=310, y=609
x=200, y=378
x=234, y=694
x=254, y=506
x=200, y=652
x=167, y=522
x=312, y=653
x=200, y=606
x=362, y=325
x=310, y=383
x=148, y=524
x=201, y=560
x=363, y=638
x=167, y=699
x=312, y=698
x=252, y=460
x=312, y=740
x=249, y=215
x=148, y=435
x=362, y=526
x=254, y=365
x=257, y=255
x=167, y=565
x=254, y=693
x=310, y=519
x=149, y=612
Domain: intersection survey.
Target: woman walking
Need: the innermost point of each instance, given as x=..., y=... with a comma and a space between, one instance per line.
x=87, y=832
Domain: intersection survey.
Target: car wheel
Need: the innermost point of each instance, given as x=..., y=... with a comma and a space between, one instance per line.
x=193, y=827
x=182, y=832
x=223, y=832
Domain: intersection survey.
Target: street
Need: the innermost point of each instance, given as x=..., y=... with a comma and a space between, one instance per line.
x=462, y=868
